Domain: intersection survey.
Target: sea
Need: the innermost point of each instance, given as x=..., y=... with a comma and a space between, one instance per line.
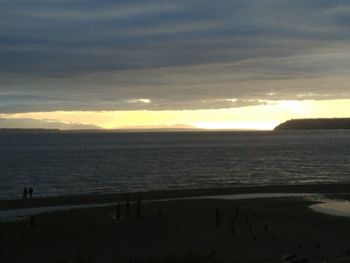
x=83, y=163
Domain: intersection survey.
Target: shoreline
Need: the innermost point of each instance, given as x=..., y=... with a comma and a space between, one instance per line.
x=85, y=199
x=231, y=230
x=16, y=214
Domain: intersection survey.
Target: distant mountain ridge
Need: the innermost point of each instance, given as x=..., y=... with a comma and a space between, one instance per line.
x=315, y=124
x=30, y=125
x=25, y=131
x=55, y=131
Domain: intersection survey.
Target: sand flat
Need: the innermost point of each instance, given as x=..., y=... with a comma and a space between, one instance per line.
x=265, y=229
x=24, y=213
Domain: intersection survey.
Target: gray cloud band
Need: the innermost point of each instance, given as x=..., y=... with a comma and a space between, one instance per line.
x=157, y=55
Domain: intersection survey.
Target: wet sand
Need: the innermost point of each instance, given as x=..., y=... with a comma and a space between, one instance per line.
x=263, y=230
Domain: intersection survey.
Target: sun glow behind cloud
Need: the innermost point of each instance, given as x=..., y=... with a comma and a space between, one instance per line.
x=239, y=125
x=258, y=117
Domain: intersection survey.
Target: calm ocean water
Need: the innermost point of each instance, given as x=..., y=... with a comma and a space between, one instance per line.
x=60, y=164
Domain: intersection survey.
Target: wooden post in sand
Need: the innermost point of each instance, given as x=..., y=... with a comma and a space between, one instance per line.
x=266, y=227
x=233, y=228
x=138, y=207
x=31, y=223
x=117, y=212
x=217, y=216
x=127, y=208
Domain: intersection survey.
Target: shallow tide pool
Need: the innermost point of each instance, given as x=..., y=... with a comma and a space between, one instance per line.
x=333, y=207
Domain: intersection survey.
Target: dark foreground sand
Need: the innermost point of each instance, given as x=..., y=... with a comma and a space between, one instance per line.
x=180, y=231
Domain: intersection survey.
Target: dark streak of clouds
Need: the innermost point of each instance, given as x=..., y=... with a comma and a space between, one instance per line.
x=195, y=54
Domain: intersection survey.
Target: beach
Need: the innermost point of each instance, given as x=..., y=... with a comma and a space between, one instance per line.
x=178, y=226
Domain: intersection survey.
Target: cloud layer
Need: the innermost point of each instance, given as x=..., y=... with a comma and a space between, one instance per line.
x=167, y=54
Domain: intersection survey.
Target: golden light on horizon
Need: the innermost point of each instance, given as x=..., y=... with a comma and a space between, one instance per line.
x=258, y=117
x=292, y=106
x=254, y=125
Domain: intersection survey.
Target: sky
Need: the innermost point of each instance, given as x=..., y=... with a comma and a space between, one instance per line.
x=223, y=64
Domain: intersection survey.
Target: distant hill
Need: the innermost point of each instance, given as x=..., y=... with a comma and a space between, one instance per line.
x=32, y=125
x=55, y=131
x=315, y=124
x=27, y=131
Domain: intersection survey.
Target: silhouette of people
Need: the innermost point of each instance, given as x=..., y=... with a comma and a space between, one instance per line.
x=30, y=193
x=25, y=193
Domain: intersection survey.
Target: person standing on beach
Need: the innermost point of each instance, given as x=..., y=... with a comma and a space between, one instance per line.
x=30, y=193
x=25, y=193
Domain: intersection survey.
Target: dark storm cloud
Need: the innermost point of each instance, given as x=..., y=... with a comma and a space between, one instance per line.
x=105, y=55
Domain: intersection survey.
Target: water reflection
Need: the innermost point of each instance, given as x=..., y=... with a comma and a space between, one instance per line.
x=333, y=207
